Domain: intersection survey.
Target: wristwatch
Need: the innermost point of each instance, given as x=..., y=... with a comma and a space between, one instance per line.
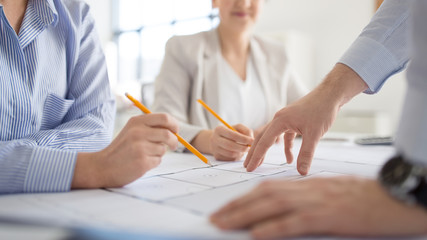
x=405, y=181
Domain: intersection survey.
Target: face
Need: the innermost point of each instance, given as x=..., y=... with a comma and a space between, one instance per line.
x=238, y=15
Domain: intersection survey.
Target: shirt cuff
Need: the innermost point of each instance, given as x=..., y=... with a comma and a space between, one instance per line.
x=373, y=62
x=50, y=170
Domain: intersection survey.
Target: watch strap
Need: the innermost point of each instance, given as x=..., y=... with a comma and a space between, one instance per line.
x=420, y=193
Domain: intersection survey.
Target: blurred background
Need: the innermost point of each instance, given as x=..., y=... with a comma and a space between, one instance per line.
x=315, y=32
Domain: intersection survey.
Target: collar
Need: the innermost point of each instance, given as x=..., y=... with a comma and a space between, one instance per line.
x=45, y=10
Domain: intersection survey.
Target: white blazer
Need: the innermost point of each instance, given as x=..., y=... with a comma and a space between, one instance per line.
x=190, y=71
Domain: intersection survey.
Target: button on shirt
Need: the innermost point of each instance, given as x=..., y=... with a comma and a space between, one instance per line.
x=55, y=98
x=397, y=33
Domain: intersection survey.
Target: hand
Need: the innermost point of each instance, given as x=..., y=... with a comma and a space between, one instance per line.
x=229, y=145
x=261, y=129
x=137, y=149
x=342, y=206
x=311, y=117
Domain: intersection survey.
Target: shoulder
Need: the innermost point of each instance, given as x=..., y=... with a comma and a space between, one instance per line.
x=193, y=41
x=190, y=48
x=77, y=12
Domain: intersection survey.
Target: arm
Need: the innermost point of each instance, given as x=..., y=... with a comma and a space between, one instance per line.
x=313, y=115
x=44, y=161
x=382, y=49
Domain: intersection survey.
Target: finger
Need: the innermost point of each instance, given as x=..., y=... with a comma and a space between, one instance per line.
x=289, y=143
x=231, y=145
x=151, y=162
x=257, y=211
x=160, y=120
x=277, y=140
x=153, y=149
x=266, y=140
x=297, y=223
x=161, y=135
x=244, y=130
x=306, y=153
x=251, y=151
x=234, y=136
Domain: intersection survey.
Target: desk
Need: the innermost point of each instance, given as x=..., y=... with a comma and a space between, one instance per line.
x=176, y=198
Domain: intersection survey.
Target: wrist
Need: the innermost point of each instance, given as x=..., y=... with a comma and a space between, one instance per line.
x=86, y=173
x=202, y=141
x=342, y=84
x=405, y=181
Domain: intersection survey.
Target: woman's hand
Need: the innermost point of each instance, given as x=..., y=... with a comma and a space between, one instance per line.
x=229, y=145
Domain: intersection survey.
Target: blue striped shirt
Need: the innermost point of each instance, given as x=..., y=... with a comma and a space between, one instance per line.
x=55, y=98
x=396, y=34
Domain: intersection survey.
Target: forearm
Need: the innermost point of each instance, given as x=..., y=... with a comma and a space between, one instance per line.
x=24, y=167
x=90, y=133
x=202, y=141
x=341, y=85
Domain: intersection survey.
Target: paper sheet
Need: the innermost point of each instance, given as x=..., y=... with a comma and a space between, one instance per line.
x=178, y=196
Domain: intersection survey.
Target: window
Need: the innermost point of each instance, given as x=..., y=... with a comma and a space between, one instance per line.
x=142, y=30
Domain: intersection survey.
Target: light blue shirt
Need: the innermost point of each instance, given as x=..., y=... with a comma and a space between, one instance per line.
x=396, y=34
x=55, y=98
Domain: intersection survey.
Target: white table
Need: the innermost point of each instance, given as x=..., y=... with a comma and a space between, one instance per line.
x=176, y=198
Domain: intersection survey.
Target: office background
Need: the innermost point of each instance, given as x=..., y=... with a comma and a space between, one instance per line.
x=316, y=33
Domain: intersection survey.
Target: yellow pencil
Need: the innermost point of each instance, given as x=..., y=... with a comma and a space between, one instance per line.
x=216, y=115
x=180, y=139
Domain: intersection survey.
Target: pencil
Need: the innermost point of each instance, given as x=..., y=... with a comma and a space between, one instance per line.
x=180, y=139
x=217, y=116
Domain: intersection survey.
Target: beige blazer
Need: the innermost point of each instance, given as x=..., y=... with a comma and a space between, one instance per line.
x=190, y=71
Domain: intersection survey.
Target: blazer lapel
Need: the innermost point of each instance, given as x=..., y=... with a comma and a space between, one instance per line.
x=210, y=90
x=261, y=66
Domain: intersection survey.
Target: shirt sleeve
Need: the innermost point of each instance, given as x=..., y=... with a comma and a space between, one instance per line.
x=44, y=161
x=381, y=50
x=411, y=136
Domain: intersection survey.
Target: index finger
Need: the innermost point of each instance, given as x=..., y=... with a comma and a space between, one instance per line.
x=261, y=145
x=306, y=153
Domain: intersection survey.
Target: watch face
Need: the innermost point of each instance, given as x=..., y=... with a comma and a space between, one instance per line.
x=395, y=172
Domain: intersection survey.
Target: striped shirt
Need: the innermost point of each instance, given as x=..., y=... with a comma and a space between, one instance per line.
x=396, y=34
x=55, y=98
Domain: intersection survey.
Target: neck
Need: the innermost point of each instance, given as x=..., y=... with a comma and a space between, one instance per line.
x=14, y=11
x=232, y=42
